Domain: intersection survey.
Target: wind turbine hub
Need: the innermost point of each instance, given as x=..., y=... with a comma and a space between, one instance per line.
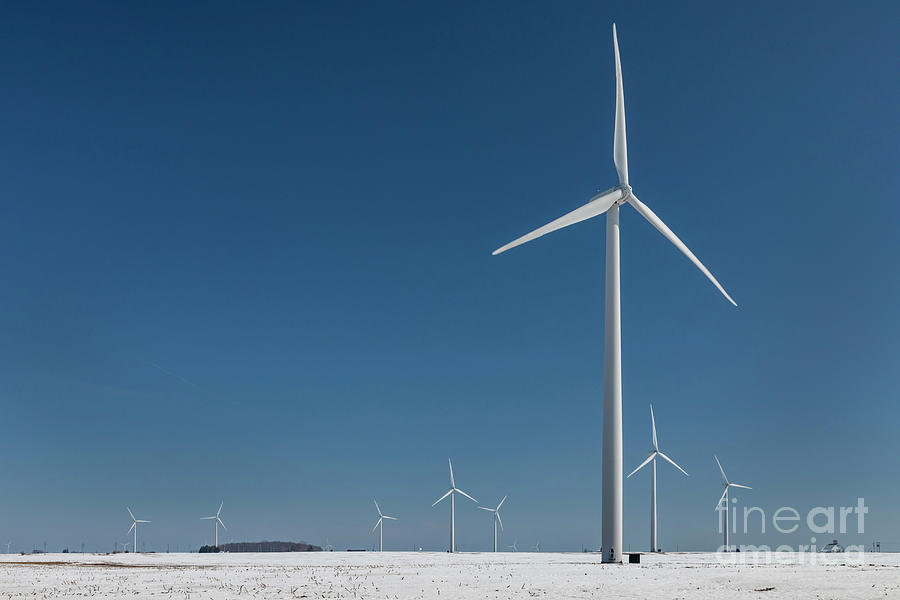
x=626, y=193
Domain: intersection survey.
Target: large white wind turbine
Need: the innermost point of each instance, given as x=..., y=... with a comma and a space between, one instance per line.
x=608, y=202
x=654, y=453
x=218, y=521
x=452, y=493
x=134, y=523
x=727, y=485
x=496, y=512
x=380, y=523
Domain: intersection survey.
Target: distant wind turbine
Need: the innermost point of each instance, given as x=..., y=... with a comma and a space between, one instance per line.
x=380, y=524
x=654, y=453
x=452, y=493
x=134, y=526
x=124, y=546
x=8, y=544
x=496, y=519
x=218, y=521
x=514, y=546
x=727, y=484
x=537, y=547
x=609, y=202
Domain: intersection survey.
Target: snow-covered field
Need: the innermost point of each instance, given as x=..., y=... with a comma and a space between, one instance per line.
x=440, y=575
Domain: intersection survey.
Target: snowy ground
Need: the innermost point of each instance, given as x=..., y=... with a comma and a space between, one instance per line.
x=441, y=575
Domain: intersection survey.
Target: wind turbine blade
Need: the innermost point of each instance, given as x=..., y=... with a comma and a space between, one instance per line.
x=501, y=503
x=377, y=523
x=620, y=147
x=141, y=521
x=391, y=518
x=466, y=495
x=746, y=487
x=133, y=525
x=499, y=520
x=653, y=425
x=643, y=464
x=722, y=497
x=598, y=205
x=376, y=507
x=442, y=497
x=485, y=508
x=673, y=463
x=220, y=508
x=204, y=518
x=221, y=522
x=664, y=229
x=130, y=513
x=721, y=470
x=452, y=485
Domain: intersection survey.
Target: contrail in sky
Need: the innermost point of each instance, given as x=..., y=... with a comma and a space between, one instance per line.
x=192, y=384
x=177, y=376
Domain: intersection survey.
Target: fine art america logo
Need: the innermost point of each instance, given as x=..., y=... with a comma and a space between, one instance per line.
x=825, y=521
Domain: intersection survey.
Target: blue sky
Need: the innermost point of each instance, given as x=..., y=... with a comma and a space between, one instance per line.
x=246, y=256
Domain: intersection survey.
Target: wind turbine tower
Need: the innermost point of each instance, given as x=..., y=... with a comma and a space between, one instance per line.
x=609, y=202
x=134, y=528
x=380, y=524
x=496, y=520
x=218, y=521
x=654, y=454
x=728, y=485
x=452, y=493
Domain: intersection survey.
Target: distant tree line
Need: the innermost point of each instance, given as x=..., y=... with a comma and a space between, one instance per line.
x=263, y=547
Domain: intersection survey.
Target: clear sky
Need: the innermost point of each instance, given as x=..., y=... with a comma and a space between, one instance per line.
x=245, y=256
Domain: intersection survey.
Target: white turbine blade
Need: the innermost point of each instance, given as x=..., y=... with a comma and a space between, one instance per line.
x=664, y=229
x=221, y=522
x=673, y=463
x=737, y=485
x=499, y=520
x=133, y=525
x=387, y=517
x=653, y=425
x=722, y=497
x=376, y=507
x=130, y=513
x=442, y=497
x=377, y=523
x=485, y=508
x=721, y=470
x=620, y=147
x=452, y=485
x=142, y=521
x=501, y=503
x=220, y=508
x=643, y=464
x=213, y=517
x=466, y=495
x=598, y=205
